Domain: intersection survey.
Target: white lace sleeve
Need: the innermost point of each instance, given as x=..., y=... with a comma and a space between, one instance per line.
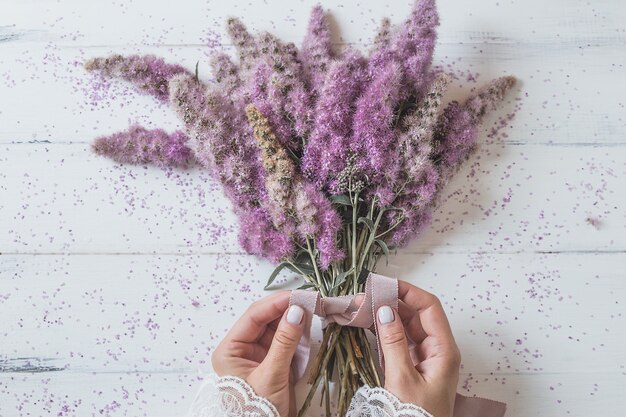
x=378, y=402
x=229, y=396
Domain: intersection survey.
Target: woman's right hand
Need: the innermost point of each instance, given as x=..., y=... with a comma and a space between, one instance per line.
x=432, y=383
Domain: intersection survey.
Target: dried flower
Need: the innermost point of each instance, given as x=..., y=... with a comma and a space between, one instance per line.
x=226, y=74
x=258, y=236
x=383, y=36
x=147, y=72
x=279, y=172
x=328, y=149
x=419, y=125
x=244, y=42
x=294, y=203
x=317, y=50
x=373, y=137
x=327, y=157
x=414, y=44
x=138, y=145
x=457, y=127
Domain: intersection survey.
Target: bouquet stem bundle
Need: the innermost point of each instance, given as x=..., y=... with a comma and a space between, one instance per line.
x=345, y=351
x=331, y=159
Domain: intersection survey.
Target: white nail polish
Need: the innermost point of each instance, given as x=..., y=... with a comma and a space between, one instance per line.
x=295, y=314
x=385, y=314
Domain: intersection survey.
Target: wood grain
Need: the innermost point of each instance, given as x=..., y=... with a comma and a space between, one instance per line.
x=116, y=282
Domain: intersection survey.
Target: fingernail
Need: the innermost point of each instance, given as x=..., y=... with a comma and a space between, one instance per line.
x=295, y=314
x=385, y=315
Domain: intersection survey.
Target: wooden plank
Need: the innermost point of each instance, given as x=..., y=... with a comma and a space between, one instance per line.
x=169, y=395
x=73, y=22
x=512, y=198
x=117, y=282
x=512, y=313
x=574, y=96
x=92, y=331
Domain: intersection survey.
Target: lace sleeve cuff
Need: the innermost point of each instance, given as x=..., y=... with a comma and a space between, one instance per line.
x=378, y=402
x=229, y=396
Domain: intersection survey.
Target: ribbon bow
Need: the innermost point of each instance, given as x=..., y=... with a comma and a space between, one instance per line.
x=379, y=291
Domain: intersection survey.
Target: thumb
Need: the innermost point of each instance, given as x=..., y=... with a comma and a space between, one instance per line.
x=285, y=341
x=393, y=342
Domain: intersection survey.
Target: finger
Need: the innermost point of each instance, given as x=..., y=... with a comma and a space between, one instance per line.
x=412, y=324
x=253, y=323
x=431, y=314
x=393, y=342
x=285, y=342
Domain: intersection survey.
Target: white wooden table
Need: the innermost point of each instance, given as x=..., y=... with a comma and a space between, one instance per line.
x=116, y=282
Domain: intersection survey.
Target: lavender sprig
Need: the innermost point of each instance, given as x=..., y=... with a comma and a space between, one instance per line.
x=317, y=50
x=138, y=145
x=147, y=72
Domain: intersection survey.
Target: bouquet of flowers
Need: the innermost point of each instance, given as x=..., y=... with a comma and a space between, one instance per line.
x=330, y=158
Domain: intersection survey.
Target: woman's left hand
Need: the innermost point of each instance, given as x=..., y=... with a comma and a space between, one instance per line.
x=259, y=349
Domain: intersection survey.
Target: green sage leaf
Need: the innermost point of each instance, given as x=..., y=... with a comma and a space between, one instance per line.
x=274, y=274
x=306, y=286
x=341, y=278
x=367, y=221
x=384, y=248
x=341, y=199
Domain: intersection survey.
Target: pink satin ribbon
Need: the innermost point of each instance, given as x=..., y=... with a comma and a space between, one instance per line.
x=379, y=291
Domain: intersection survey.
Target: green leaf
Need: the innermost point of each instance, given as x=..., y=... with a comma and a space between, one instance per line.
x=272, y=277
x=303, y=257
x=307, y=269
x=341, y=199
x=392, y=208
x=368, y=222
x=384, y=248
x=306, y=286
x=340, y=279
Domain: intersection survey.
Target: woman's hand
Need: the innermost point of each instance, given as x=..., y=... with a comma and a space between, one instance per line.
x=432, y=383
x=259, y=349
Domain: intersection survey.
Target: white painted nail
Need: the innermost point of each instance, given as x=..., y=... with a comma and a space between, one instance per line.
x=295, y=314
x=385, y=315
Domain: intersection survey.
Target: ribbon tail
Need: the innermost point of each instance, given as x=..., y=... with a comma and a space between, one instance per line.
x=477, y=407
x=309, y=301
x=383, y=291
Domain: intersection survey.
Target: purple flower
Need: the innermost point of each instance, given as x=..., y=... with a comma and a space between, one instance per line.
x=327, y=151
x=418, y=126
x=280, y=172
x=246, y=45
x=282, y=129
x=455, y=135
x=319, y=220
x=147, y=72
x=317, y=50
x=226, y=74
x=138, y=145
x=295, y=205
x=279, y=90
x=415, y=43
x=221, y=140
x=258, y=236
x=457, y=127
x=411, y=45
x=373, y=137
